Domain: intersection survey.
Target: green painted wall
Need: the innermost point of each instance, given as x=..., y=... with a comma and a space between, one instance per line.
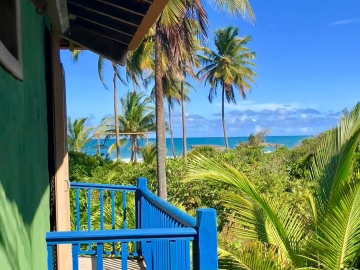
x=24, y=190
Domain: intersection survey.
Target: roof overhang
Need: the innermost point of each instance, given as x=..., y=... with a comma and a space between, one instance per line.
x=109, y=28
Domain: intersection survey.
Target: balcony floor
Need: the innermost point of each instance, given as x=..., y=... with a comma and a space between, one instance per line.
x=89, y=263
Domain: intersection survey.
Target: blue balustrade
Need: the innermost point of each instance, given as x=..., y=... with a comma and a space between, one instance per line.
x=122, y=237
x=150, y=228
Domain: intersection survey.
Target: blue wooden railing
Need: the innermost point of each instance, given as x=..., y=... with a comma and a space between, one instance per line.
x=164, y=236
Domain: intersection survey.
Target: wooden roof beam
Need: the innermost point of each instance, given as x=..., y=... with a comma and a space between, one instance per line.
x=109, y=11
x=133, y=6
x=103, y=31
x=153, y=13
x=101, y=19
x=101, y=45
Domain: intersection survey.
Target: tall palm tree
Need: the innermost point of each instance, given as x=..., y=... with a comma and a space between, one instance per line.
x=78, y=135
x=175, y=92
x=229, y=66
x=174, y=31
x=137, y=62
x=330, y=240
x=137, y=117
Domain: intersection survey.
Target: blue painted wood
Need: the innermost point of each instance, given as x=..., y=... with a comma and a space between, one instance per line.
x=173, y=256
x=101, y=186
x=99, y=256
x=168, y=208
x=108, y=235
x=124, y=208
x=50, y=257
x=187, y=254
x=124, y=256
x=157, y=223
x=149, y=256
x=77, y=209
x=101, y=209
x=138, y=208
x=113, y=217
x=75, y=256
x=205, y=245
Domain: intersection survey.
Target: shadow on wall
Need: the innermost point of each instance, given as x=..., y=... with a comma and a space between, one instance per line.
x=17, y=243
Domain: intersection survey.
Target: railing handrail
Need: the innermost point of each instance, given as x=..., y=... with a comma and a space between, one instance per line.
x=64, y=237
x=180, y=216
x=102, y=186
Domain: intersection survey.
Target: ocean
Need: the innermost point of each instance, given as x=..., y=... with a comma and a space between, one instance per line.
x=125, y=153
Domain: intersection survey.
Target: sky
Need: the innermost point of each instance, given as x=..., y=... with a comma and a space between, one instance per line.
x=308, y=63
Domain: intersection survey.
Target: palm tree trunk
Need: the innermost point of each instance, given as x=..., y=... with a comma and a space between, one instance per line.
x=132, y=159
x=98, y=146
x=160, y=121
x=223, y=116
x=171, y=131
x=116, y=119
x=183, y=121
x=135, y=149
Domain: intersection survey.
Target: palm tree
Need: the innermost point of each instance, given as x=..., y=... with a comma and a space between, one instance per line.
x=148, y=153
x=174, y=30
x=228, y=67
x=175, y=90
x=137, y=62
x=330, y=240
x=136, y=119
x=78, y=135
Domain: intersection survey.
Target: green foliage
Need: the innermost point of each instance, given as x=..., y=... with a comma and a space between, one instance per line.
x=78, y=135
x=137, y=117
x=328, y=237
x=286, y=209
x=148, y=153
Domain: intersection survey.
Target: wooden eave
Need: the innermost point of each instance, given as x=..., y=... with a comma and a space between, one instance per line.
x=109, y=27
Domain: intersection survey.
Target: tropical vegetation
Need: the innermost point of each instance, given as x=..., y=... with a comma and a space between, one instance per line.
x=288, y=209
x=273, y=234
x=137, y=118
x=79, y=135
x=229, y=67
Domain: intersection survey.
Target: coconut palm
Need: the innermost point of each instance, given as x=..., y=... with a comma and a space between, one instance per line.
x=174, y=31
x=229, y=66
x=148, y=153
x=175, y=92
x=331, y=239
x=78, y=134
x=136, y=119
x=137, y=62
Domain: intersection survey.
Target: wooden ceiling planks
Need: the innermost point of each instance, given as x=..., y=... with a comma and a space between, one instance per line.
x=110, y=27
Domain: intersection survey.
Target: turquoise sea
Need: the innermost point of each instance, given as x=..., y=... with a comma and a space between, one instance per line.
x=288, y=141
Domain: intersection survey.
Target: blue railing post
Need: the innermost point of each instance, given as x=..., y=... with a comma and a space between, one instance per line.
x=139, y=213
x=141, y=184
x=205, y=254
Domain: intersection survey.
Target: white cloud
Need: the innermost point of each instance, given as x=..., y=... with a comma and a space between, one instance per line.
x=243, y=118
x=258, y=128
x=347, y=21
x=254, y=106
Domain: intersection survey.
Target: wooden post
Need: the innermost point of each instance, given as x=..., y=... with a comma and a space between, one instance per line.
x=205, y=255
x=139, y=213
x=141, y=185
x=99, y=150
x=62, y=202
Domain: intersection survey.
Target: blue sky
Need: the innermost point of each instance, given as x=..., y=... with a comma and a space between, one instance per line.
x=308, y=62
